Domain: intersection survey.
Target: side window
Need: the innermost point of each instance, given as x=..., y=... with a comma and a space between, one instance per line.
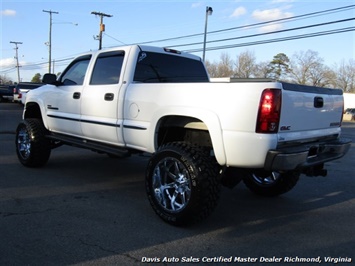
x=75, y=73
x=107, y=68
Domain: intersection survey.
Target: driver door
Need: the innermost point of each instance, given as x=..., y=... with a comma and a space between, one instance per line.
x=63, y=105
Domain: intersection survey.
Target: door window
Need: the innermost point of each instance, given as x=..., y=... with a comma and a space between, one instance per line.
x=75, y=73
x=107, y=68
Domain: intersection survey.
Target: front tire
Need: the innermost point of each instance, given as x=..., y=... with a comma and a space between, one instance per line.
x=32, y=147
x=182, y=183
x=270, y=184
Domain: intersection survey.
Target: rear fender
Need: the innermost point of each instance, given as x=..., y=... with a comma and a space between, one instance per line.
x=209, y=118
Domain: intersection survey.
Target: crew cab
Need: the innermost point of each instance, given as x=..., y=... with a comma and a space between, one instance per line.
x=200, y=134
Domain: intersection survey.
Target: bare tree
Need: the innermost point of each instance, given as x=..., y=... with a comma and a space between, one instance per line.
x=5, y=80
x=263, y=70
x=303, y=68
x=211, y=69
x=346, y=76
x=308, y=68
x=245, y=65
x=225, y=66
x=322, y=76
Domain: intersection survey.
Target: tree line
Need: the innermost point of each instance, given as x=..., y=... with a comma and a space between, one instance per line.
x=304, y=67
x=37, y=78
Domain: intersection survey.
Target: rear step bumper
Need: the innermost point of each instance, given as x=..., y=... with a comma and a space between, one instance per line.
x=307, y=155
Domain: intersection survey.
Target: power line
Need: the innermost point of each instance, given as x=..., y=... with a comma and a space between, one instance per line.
x=115, y=39
x=295, y=37
x=268, y=33
x=5, y=71
x=253, y=25
x=24, y=67
x=285, y=19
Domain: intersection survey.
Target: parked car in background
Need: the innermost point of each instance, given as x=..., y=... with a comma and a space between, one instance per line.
x=16, y=94
x=22, y=88
x=6, y=93
x=349, y=114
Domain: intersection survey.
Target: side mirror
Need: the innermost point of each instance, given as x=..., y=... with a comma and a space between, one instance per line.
x=49, y=79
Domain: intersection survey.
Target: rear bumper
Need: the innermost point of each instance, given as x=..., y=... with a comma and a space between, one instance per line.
x=307, y=155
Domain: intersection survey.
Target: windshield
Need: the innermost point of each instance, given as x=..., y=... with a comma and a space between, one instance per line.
x=156, y=67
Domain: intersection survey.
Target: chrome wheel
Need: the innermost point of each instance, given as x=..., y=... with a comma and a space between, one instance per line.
x=24, y=143
x=182, y=183
x=266, y=179
x=171, y=184
x=32, y=147
x=266, y=183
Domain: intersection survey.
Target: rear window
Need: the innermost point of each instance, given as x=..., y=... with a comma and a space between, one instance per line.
x=155, y=67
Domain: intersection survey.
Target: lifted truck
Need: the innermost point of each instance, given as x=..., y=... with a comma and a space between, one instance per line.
x=201, y=134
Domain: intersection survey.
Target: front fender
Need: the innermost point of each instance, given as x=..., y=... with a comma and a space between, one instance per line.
x=35, y=110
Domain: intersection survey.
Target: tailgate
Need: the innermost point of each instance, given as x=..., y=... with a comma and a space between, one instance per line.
x=309, y=112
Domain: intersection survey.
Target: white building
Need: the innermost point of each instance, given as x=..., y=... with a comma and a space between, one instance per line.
x=349, y=100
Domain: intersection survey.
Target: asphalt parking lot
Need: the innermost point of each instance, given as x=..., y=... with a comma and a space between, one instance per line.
x=85, y=208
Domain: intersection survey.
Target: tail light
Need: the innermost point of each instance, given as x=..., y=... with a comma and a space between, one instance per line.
x=269, y=111
x=342, y=114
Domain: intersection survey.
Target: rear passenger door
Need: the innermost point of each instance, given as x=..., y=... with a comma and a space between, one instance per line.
x=101, y=118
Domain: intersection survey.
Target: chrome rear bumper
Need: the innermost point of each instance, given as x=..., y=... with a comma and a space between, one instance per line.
x=307, y=155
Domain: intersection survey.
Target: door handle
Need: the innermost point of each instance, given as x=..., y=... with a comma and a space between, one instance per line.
x=318, y=102
x=76, y=95
x=109, y=96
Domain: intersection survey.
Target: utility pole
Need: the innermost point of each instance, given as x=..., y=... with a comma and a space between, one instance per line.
x=17, y=64
x=102, y=26
x=50, y=38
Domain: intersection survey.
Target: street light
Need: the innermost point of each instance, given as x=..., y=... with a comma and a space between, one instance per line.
x=209, y=11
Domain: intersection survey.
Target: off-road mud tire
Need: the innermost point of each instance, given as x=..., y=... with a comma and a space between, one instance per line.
x=32, y=147
x=182, y=183
x=266, y=184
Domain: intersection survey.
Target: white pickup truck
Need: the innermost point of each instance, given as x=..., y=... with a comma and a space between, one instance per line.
x=201, y=134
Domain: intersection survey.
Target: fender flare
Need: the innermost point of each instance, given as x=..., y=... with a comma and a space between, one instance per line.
x=41, y=110
x=210, y=119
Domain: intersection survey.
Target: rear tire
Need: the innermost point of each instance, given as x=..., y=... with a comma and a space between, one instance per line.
x=270, y=184
x=32, y=147
x=182, y=183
